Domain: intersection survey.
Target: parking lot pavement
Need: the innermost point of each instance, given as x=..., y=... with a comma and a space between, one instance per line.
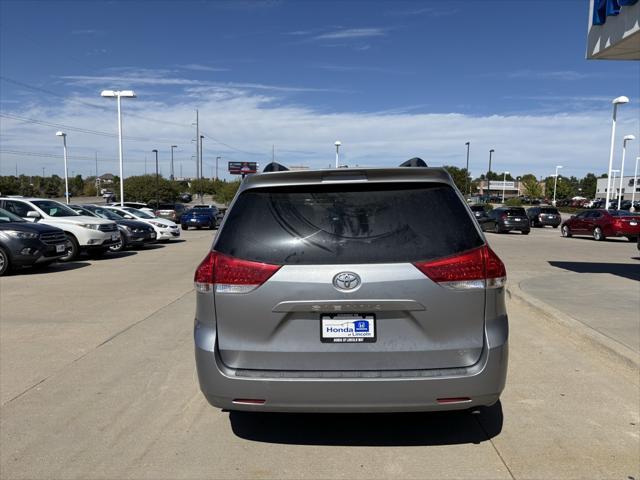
x=98, y=365
x=595, y=283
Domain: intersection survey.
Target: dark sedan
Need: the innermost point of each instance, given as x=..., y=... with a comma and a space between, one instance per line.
x=24, y=243
x=133, y=233
x=543, y=216
x=200, y=218
x=506, y=219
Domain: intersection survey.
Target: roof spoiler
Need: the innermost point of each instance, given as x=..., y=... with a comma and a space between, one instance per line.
x=275, y=167
x=414, y=162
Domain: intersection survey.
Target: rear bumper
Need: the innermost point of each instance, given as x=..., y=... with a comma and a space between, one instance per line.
x=369, y=392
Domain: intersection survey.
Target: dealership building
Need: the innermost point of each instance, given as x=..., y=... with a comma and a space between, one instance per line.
x=628, y=186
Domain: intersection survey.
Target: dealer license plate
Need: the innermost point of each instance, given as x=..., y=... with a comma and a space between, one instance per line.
x=633, y=224
x=194, y=220
x=115, y=236
x=60, y=248
x=153, y=235
x=517, y=219
x=348, y=328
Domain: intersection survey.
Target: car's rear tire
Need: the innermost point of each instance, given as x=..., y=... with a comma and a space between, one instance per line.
x=565, y=231
x=496, y=228
x=120, y=246
x=597, y=234
x=4, y=262
x=555, y=226
x=72, y=249
x=632, y=239
x=184, y=227
x=526, y=232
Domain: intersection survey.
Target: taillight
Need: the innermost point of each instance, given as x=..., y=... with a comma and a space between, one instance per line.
x=503, y=216
x=231, y=275
x=477, y=268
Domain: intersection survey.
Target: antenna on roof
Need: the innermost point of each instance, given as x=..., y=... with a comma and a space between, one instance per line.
x=414, y=162
x=275, y=167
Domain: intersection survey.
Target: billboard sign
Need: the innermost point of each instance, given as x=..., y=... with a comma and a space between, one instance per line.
x=242, y=168
x=496, y=185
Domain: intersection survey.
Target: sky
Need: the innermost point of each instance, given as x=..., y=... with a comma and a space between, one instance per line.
x=391, y=80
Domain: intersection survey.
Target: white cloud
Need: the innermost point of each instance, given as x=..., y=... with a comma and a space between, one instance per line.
x=251, y=122
x=347, y=33
x=567, y=75
x=202, y=68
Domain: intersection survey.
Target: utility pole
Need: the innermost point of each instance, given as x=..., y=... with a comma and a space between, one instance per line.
x=181, y=170
x=42, y=172
x=217, y=158
x=197, y=146
x=16, y=169
x=172, y=171
x=97, y=185
x=201, y=162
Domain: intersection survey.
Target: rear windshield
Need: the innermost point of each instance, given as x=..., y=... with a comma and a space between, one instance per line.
x=548, y=210
x=514, y=212
x=333, y=224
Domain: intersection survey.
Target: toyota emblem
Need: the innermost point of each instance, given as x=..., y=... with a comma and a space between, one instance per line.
x=346, y=281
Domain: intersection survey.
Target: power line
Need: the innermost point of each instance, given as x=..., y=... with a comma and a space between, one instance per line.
x=48, y=155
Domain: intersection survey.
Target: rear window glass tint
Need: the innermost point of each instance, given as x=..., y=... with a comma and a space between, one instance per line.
x=333, y=224
x=514, y=212
x=549, y=210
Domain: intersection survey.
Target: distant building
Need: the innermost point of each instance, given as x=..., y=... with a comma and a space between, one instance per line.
x=627, y=188
x=106, y=179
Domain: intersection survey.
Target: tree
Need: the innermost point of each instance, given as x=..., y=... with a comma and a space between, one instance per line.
x=564, y=188
x=531, y=186
x=142, y=188
x=588, y=185
x=225, y=191
x=460, y=177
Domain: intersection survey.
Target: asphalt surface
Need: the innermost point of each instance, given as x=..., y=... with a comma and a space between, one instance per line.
x=97, y=380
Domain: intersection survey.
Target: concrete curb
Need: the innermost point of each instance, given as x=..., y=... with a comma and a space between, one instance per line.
x=611, y=347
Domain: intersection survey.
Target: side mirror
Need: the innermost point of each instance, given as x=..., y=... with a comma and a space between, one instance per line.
x=33, y=214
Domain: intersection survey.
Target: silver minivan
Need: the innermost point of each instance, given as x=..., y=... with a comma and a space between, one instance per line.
x=350, y=290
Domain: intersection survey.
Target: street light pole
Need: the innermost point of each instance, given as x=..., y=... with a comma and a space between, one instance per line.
x=555, y=184
x=635, y=185
x=488, y=172
x=172, y=171
x=118, y=95
x=337, y=144
x=466, y=179
x=616, y=101
x=157, y=180
x=66, y=177
x=628, y=138
x=504, y=180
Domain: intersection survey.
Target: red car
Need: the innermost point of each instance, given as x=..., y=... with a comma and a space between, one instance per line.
x=601, y=224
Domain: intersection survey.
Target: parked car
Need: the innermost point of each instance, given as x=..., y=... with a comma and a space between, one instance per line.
x=133, y=233
x=83, y=233
x=137, y=205
x=200, y=218
x=350, y=291
x=543, y=216
x=165, y=229
x=170, y=211
x=506, y=219
x=478, y=210
x=185, y=197
x=24, y=243
x=601, y=224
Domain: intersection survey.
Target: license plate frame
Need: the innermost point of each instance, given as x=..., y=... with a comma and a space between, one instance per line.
x=61, y=248
x=359, y=333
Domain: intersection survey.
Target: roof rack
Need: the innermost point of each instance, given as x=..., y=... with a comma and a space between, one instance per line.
x=275, y=167
x=414, y=162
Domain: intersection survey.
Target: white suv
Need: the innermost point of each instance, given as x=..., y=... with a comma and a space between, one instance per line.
x=83, y=233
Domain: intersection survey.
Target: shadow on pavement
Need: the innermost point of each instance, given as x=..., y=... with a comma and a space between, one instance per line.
x=375, y=429
x=111, y=255
x=626, y=270
x=151, y=246
x=52, y=268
